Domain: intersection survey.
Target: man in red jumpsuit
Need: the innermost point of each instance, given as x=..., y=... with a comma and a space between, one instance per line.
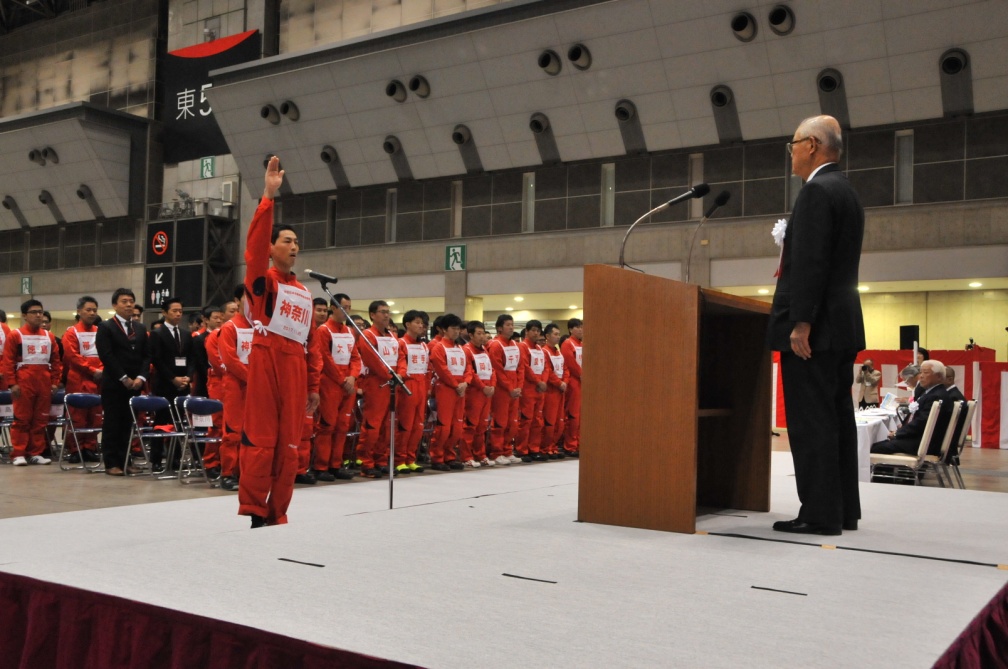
x=234, y=344
x=411, y=410
x=553, y=399
x=32, y=365
x=215, y=388
x=506, y=360
x=83, y=373
x=373, y=444
x=530, y=406
x=279, y=390
x=571, y=350
x=4, y=331
x=341, y=365
x=451, y=378
x=477, y=399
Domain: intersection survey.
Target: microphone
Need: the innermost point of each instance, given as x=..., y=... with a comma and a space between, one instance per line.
x=697, y=191
x=719, y=201
x=324, y=278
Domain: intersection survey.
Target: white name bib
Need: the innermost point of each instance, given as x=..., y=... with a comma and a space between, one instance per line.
x=511, y=357
x=35, y=349
x=292, y=313
x=243, y=344
x=484, y=370
x=557, y=361
x=577, y=355
x=456, y=360
x=342, y=343
x=537, y=361
x=388, y=349
x=416, y=359
x=87, y=344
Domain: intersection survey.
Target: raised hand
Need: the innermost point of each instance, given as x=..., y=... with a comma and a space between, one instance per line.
x=274, y=178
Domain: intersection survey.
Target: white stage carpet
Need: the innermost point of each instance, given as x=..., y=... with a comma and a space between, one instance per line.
x=489, y=568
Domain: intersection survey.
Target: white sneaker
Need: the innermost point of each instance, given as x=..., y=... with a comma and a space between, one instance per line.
x=512, y=459
x=471, y=464
x=502, y=460
x=487, y=462
x=19, y=461
x=39, y=460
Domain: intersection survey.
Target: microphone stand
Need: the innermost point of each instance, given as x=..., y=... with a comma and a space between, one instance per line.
x=689, y=257
x=622, y=264
x=394, y=380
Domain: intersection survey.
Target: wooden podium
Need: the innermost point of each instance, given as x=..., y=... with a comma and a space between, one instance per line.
x=675, y=408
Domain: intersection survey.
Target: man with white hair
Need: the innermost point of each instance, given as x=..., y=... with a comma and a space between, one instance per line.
x=907, y=439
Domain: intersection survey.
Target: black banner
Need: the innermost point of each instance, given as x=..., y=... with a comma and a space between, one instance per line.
x=190, y=130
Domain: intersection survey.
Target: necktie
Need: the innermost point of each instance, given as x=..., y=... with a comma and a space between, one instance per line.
x=178, y=342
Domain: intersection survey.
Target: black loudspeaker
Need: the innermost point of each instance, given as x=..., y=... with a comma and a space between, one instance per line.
x=908, y=335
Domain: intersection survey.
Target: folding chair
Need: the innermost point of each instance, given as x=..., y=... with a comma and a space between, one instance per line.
x=430, y=422
x=353, y=435
x=938, y=462
x=147, y=432
x=57, y=421
x=904, y=466
x=6, y=420
x=198, y=415
x=85, y=401
x=960, y=440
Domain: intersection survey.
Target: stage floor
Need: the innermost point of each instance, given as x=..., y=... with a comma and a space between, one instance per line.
x=489, y=568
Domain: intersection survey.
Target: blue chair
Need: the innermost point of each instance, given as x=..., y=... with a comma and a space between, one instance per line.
x=143, y=409
x=198, y=415
x=6, y=420
x=85, y=401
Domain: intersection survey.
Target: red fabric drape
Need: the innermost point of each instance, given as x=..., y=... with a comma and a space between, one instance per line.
x=55, y=626
x=992, y=404
x=984, y=642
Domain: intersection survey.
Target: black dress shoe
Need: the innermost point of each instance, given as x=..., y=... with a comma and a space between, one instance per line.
x=850, y=525
x=90, y=456
x=341, y=474
x=74, y=458
x=213, y=473
x=440, y=467
x=305, y=478
x=456, y=465
x=323, y=475
x=229, y=483
x=801, y=527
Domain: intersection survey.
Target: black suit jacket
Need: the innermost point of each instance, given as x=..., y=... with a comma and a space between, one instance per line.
x=909, y=435
x=819, y=267
x=200, y=364
x=163, y=354
x=121, y=354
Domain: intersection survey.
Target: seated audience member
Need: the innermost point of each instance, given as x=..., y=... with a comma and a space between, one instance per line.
x=950, y=386
x=907, y=438
x=868, y=378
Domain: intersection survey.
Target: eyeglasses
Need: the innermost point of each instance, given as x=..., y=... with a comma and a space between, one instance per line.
x=790, y=145
x=33, y=313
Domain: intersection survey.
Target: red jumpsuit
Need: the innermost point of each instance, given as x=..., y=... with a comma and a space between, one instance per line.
x=4, y=331
x=450, y=369
x=553, y=400
x=280, y=310
x=80, y=360
x=411, y=410
x=571, y=349
x=234, y=346
x=373, y=444
x=31, y=362
x=215, y=390
x=310, y=419
x=530, y=418
x=506, y=360
x=340, y=359
x=477, y=404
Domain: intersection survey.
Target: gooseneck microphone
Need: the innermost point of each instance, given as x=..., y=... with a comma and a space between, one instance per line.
x=318, y=276
x=697, y=191
x=719, y=201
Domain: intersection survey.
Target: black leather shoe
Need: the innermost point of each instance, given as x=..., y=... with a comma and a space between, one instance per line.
x=90, y=456
x=74, y=458
x=801, y=527
x=305, y=478
x=341, y=474
x=456, y=465
x=229, y=483
x=850, y=525
x=322, y=475
x=213, y=473
x=440, y=467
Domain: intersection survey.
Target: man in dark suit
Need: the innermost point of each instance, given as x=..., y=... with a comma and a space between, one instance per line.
x=125, y=354
x=816, y=324
x=955, y=395
x=907, y=439
x=171, y=356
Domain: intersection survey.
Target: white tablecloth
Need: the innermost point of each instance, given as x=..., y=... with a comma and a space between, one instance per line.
x=872, y=426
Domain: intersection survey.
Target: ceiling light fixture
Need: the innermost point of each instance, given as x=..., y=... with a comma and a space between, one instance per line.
x=572, y=306
x=519, y=298
x=863, y=289
x=763, y=291
x=975, y=284
x=508, y=308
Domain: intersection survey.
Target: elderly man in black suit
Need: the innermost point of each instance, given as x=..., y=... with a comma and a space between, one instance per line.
x=816, y=324
x=907, y=439
x=124, y=351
